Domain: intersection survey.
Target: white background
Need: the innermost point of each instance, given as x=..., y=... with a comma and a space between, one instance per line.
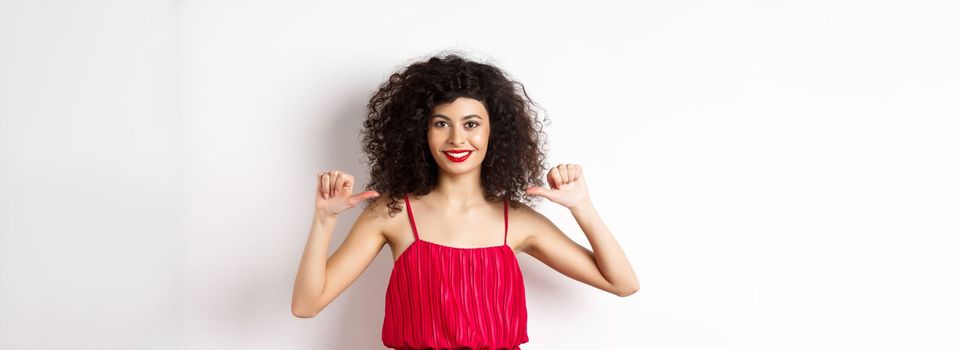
x=782, y=175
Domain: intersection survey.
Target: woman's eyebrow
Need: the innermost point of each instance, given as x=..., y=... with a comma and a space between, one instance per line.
x=462, y=118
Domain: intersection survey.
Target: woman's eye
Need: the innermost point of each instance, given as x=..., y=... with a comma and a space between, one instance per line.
x=469, y=124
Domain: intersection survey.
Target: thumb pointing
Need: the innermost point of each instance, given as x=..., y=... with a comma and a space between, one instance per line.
x=360, y=197
x=538, y=191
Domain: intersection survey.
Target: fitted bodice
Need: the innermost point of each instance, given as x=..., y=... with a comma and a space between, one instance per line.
x=443, y=297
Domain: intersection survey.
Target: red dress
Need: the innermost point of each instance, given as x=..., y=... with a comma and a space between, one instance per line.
x=442, y=297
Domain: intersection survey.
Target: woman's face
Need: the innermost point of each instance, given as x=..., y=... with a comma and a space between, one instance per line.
x=462, y=125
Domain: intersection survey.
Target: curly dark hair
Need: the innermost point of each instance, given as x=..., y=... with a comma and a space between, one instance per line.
x=395, y=131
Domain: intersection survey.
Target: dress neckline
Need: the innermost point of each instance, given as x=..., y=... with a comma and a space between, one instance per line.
x=402, y=254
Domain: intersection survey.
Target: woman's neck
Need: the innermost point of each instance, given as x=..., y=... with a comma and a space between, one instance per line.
x=459, y=191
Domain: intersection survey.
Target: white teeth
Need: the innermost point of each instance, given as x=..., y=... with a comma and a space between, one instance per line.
x=457, y=155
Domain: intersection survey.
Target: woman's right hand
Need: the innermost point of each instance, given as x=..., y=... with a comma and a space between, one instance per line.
x=335, y=190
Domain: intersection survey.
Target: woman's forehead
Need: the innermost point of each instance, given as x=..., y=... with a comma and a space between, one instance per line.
x=460, y=108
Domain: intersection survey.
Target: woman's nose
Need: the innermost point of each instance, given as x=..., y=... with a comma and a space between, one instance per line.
x=456, y=138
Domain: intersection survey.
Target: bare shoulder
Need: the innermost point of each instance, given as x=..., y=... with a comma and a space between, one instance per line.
x=525, y=223
x=377, y=213
x=375, y=209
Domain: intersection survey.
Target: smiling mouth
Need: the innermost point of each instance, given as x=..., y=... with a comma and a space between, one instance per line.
x=458, y=155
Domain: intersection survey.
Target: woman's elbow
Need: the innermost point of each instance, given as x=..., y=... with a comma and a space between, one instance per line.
x=624, y=294
x=302, y=311
x=627, y=291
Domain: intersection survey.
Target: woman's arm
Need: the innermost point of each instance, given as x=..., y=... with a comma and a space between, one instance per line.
x=606, y=267
x=312, y=273
x=608, y=254
x=319, y=279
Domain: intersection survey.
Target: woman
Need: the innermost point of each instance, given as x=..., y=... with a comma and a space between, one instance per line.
x=456, y=142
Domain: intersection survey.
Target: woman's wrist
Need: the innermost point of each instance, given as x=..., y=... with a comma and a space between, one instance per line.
x=323, y=216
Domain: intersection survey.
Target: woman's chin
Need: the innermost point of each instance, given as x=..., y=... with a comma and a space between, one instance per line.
x=459, y=169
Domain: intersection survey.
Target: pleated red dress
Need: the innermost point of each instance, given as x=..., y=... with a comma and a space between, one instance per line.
x=442, y=297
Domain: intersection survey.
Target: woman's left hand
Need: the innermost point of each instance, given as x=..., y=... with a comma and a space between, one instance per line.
x=568, y=187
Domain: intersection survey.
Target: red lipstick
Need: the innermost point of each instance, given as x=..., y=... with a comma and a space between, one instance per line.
x=455, y=159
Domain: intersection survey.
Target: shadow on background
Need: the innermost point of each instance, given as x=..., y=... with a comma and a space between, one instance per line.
x=356, y=316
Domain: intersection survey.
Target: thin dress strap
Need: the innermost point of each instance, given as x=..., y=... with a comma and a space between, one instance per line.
x=505, y=221
x=410, y=215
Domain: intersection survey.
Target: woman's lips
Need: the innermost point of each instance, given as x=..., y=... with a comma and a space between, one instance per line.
x=463, y=156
